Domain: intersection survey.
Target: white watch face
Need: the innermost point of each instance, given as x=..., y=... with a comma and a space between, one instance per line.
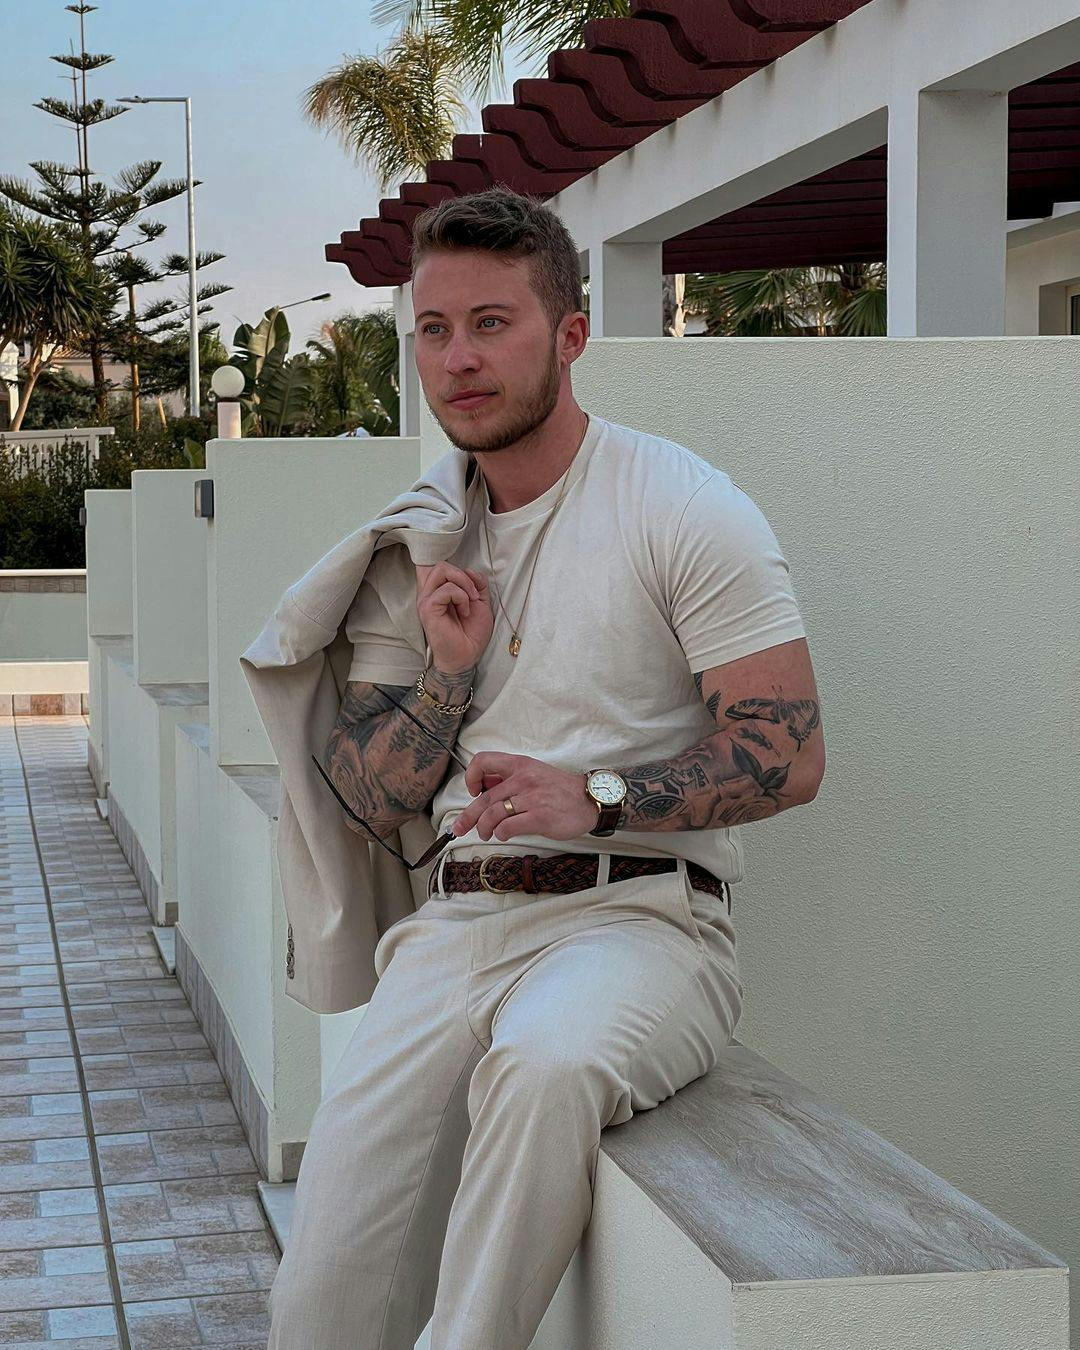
x=607, y=787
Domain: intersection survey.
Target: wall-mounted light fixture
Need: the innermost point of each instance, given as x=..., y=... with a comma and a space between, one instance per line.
x=204, y=498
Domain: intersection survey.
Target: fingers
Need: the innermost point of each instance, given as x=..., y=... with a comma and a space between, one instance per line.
x=487, y=811
x=450, y=594
x=485, y=766
x=430, y=578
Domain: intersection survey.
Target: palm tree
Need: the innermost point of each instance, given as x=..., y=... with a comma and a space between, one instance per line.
x=50, y=296
x=354, y=364
x=396, y=111
x=845, y=300
x=477, y=32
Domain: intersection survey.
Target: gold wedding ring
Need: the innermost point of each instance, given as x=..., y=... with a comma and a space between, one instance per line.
x=509, y=807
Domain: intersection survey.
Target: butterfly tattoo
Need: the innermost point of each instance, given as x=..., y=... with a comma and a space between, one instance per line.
x=800, y=716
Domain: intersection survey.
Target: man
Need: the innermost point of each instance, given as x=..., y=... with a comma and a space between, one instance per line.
x=615, y=652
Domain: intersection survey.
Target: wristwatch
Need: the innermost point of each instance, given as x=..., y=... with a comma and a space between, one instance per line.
x=608, y=790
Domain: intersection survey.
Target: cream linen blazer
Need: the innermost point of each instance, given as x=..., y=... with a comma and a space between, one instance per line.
x=341, y=890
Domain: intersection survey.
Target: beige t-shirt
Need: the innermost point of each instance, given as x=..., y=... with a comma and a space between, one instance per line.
x=656, y=566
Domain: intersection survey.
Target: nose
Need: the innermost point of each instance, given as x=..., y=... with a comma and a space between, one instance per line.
x=460, y=355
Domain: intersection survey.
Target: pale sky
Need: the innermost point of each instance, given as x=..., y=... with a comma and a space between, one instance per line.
x=274, y=189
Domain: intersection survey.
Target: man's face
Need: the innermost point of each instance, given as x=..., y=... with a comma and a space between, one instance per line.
x=480, y=326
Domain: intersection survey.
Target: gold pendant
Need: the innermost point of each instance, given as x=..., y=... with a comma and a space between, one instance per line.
x=515, y=645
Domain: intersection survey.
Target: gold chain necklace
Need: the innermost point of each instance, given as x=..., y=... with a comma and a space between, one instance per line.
x=515, y=640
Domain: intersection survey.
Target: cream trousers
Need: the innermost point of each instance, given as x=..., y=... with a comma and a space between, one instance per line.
x=449, y=1169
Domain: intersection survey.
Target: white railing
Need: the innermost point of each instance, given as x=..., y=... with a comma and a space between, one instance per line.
x=32, y=449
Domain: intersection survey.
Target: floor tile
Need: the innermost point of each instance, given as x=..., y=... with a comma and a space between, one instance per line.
x=186, y=1267
x=27, y=1076
x=33, y=1044
x=153, y=1068
x=181, y=1208
x=239, y=1321
x=123, y=991
x=48, y=1116
x=159, y=1155
x=161, y=1108
x=85, y=972
x=129, y=1039
x=138, y=1013
x=38, y=1164
x=33, y=1019
x=70, y=1328
x=186, y=1229
x=57, y=1218
x=52, y=1277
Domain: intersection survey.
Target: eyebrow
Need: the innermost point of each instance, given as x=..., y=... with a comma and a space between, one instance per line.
x=495, y=304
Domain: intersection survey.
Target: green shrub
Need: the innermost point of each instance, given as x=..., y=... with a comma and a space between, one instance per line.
x=39, y=509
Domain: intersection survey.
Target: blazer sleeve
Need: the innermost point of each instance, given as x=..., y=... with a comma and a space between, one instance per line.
x=382, y=653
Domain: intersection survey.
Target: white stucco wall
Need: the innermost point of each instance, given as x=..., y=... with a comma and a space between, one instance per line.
x=1043, y=262
x=108, y=561
x=134, y=753
x=169, y=578
x=278, y=507
x=909, y=939
x=232, y=917
x=42, y=626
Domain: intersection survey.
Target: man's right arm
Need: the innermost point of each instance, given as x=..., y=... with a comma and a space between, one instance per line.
x=382, y=763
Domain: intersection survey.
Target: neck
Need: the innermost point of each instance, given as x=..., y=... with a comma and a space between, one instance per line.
x=523, y=471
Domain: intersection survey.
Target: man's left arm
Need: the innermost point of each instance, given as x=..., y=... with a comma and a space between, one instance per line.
x=767, y=754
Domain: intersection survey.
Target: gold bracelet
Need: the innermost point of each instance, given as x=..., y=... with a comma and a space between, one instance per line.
x=424, y=697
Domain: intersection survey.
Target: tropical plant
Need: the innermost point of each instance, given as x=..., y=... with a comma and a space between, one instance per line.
x=845, y=300
x=49, y=297
x=277, y=387
x=354, y=368
x=393, y=112
x=478, y=34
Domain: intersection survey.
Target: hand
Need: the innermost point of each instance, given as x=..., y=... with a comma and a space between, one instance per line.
x=455, y=612
x=547, y=801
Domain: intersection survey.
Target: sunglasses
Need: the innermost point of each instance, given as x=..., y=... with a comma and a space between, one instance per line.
x=436, y=847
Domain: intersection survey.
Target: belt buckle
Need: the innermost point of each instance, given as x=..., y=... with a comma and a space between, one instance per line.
x=494, y=890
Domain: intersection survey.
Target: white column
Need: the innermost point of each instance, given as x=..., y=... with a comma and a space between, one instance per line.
x=408, y=388
x=626, y=290
x=947, y=192
x=408, y=380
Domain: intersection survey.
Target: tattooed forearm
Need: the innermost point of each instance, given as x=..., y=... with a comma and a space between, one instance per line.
x=382, y=763
x=720, y=781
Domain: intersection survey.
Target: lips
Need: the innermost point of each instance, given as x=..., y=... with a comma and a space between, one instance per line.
x=471, y=399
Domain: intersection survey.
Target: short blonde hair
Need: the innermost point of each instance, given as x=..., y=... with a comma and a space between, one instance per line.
x=516, y=225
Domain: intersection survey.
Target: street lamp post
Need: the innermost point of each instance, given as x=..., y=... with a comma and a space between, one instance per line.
x=325, y=296
x=193, y=317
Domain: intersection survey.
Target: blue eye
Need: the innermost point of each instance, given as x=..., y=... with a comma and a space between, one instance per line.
x=494, y=317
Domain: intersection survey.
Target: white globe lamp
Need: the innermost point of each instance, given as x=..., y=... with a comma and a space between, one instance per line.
x=228, y=382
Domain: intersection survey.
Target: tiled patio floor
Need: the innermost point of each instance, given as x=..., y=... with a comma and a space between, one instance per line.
x=128, y=1206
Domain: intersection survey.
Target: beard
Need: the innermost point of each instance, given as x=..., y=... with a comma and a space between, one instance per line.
x=534, y=409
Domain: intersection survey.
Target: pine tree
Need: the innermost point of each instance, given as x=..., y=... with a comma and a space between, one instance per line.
x=92, y=215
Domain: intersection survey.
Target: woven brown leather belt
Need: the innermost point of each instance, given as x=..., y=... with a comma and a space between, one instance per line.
x=534, y=872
